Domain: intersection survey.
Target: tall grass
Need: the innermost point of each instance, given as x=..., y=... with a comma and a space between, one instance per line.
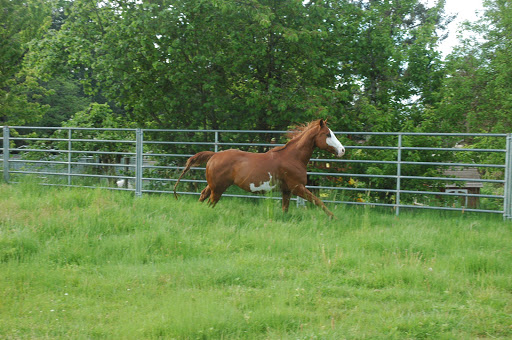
x=82, y=263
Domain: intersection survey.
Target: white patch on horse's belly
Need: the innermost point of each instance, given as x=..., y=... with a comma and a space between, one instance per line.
x=265, y=186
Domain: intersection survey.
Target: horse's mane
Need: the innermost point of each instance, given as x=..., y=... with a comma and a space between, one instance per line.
x=296, y=132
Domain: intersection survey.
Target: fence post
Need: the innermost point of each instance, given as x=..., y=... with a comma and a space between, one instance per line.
x=507, y=192
x=510, y=175
x=216, y=141
x=138, y=161
x=69, y=156
x=6, y=154
x=398, y=173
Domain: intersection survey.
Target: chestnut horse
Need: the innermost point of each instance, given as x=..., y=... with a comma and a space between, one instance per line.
x=283, y=167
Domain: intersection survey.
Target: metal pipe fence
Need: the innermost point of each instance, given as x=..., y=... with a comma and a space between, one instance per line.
x=387, y=169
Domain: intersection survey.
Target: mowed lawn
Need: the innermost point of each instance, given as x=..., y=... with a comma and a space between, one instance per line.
x=93, y=264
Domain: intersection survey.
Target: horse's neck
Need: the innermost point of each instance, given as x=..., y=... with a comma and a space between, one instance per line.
x=301, y=149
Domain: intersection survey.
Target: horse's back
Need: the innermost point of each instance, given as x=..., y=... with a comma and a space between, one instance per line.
x=237, y=159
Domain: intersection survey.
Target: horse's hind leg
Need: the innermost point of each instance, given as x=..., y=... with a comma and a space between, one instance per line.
x=214, y=198
x=286, y=200
x=205, y=193
x=215, y=194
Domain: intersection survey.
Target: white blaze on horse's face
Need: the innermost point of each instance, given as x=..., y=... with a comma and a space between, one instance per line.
x=335, y=143
x=265, y=186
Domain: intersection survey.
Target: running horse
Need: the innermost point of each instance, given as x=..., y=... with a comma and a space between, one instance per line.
x=282, y=168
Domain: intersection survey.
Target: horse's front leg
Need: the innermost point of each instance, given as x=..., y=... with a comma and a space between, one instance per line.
x=286, y=200
x=301, y=191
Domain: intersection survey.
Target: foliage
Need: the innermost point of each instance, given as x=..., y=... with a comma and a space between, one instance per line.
x=258, y=64
x=22, y=21
x=397, y=62
x=65, y=100
x=476, y=94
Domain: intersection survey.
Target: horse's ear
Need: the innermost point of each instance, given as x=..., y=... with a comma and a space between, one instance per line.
x=322, y=123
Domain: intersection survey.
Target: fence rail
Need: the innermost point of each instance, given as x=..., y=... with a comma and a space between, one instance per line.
x=397, y=173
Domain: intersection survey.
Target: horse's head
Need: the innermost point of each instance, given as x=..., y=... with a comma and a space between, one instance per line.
x=326, y=140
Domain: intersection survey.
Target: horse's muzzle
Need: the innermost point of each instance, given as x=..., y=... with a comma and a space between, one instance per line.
x=341, y=152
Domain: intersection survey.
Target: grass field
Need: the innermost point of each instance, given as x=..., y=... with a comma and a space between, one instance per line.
x=82, y=263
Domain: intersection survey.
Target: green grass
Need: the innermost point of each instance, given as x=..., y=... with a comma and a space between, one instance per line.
x=82, y=263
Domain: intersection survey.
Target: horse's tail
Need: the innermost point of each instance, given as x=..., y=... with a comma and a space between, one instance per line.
x=198, y=159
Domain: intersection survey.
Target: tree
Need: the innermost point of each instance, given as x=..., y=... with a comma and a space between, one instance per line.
x=476, y=92
x=65, y=99
x=210, y=60
x=251, y=64
x=19, y=88
x=397, y=62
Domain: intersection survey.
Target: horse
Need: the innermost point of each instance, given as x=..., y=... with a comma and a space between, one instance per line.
x=282, y=168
